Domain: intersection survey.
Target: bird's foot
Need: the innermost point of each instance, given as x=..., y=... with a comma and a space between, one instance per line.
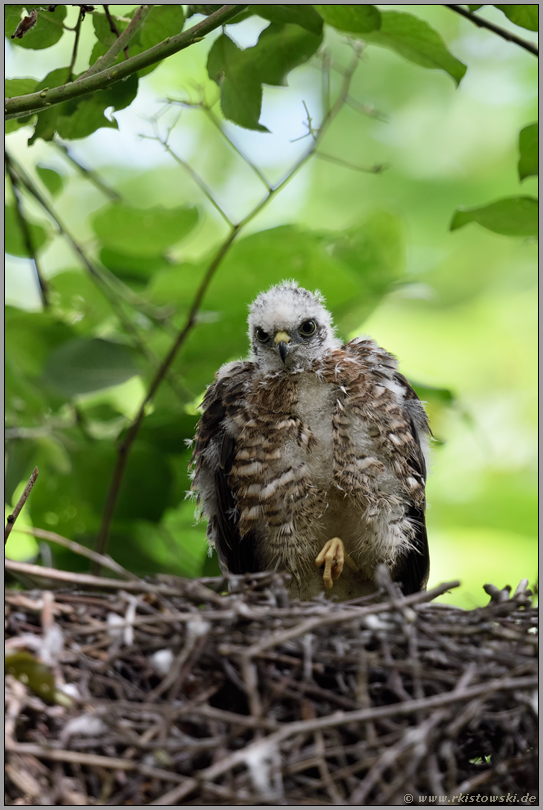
x=334, y=558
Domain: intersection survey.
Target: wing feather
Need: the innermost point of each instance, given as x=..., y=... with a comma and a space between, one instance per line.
x=213, y=456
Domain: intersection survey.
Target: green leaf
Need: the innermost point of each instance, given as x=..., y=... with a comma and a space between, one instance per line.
x=134, y=270
x=355, y=19
x=84, y=365
x=143, y=232
x=279, y=49
x=241, y=90
x=26, y=668
x=142, y=495
x=47, y=31
x=304, y=16
x=19, y=87
x=81, y=117
x=528, y=164
x=14, y=241
x=525, y=16
x=375, y=252
x=416, y=41
x=20, y=461
x=12, y=17
x=162, y=22
x=77, y=300
x=474, y=7
x=52, y=180
x=514, y=216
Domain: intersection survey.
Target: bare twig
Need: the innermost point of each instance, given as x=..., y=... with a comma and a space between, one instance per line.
x=22, y=500
x=40, y=573
x=88, y=173
x=105, y=560
x=496, y=29
x=120, y=43
x=25, y=230
x=114, y=30
x=77, y=30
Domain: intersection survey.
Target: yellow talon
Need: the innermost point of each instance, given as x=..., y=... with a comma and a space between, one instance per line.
x=333, y=556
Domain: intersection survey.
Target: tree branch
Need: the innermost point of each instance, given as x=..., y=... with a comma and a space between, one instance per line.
x=25, y=230
x=20, y=106
x=496, y=29
x=22, y=500
x=120, y=43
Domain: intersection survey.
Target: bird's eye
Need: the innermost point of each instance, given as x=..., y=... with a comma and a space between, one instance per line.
x=261, y=335
x=307, y=329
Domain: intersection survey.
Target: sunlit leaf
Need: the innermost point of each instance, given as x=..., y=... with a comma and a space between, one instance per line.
x=416, y=41
x=143, y=232
x=52, y=180
x=241, y=90
x=525, y=16
x=14, y=240
x=514, y=216
x=279, y=49
x=302, y=15
x=84, y=365
x=355, y=19
x=528, y=164
x=162, y=22
x=19, y=87
x=78, y=301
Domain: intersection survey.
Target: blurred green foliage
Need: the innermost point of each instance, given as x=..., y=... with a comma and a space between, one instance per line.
x=109, y=241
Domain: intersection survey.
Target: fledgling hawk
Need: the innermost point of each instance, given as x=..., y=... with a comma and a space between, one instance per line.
x=312, y=453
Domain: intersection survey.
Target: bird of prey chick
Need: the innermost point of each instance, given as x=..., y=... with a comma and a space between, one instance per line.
x=310, y=456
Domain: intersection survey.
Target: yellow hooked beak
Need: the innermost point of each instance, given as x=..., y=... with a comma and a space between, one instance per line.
x=281, y=339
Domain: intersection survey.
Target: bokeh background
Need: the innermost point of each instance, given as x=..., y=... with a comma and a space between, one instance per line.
x=459, y=308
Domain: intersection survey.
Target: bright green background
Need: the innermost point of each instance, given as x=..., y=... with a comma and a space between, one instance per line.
x=461, y=316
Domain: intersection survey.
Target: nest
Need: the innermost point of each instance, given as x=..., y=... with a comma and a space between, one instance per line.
x=173, y=692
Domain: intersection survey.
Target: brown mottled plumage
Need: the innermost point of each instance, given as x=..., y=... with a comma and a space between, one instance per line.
x=307, y=442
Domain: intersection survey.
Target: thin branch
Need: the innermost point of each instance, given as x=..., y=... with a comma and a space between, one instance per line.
x=104, y=559
x=377, y=169
x=25, y=231
x=114, y=30
x=496, y=29
x=120, y=43
x=41, y=572
x=188, y=168
x=19, y=106
x=125, y=446
x=89, y=174
x=212, y=117
x=22, y=500
x=77, y=30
